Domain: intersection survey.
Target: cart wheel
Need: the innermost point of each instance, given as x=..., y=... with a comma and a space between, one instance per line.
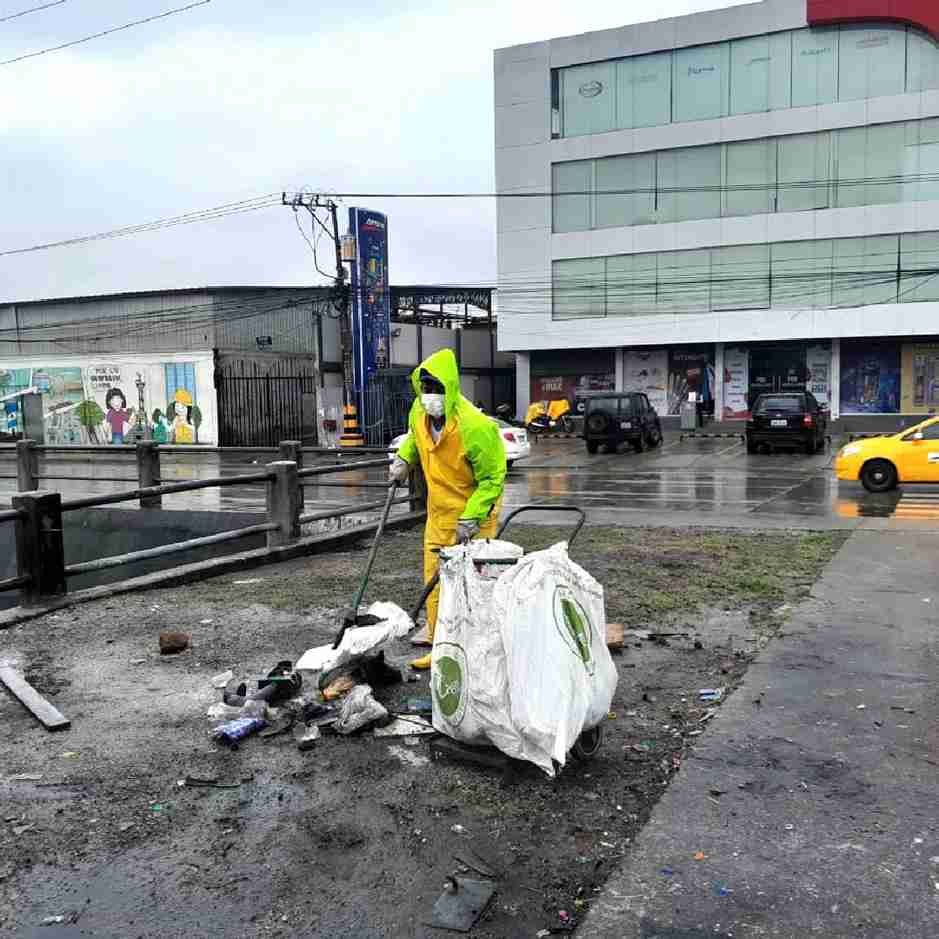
x=588, y=743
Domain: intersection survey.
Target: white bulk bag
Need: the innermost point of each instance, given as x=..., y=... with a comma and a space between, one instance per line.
x=520, y=659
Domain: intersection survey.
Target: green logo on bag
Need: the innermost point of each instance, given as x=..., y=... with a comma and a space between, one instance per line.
x=574, y=626
x=449, y=681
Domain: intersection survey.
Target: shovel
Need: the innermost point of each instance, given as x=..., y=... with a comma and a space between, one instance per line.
x=350, y=616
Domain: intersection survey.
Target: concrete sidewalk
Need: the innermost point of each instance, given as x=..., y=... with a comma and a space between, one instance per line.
x=813, y=794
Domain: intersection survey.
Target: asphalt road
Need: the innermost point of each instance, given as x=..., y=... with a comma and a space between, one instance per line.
x=705, y=481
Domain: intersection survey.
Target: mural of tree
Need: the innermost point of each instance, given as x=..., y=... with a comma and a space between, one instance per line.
x=90, y=416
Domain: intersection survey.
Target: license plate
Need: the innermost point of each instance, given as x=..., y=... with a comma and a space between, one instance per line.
x=779, y=423
x=626, y=425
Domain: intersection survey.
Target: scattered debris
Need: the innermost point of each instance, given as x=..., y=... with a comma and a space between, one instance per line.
x=306, y=737
x=339, y=687
x=391, y=623
x=222, y=712
x=359, y=710
x=205, y=782
x=861, y=707
x=615, y=636
x=47, y=715
x=26, y=777
x=245, y=583
x=172, y=643
x=238, y=729
x=70, y=755
x=462, y=902
x=712, y=695
x=699, y=855
x=458, y=829
x=405, y=727
x=419, y=706
x=721, y=890
x=222, y=679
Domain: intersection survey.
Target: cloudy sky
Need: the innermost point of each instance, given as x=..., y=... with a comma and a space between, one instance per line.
x=239, y=98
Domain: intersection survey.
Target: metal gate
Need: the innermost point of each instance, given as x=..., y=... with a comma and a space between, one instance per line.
x=387, y=403
x=263, y=402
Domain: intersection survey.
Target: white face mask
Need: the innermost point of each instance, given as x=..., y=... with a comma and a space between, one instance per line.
x=433, y=404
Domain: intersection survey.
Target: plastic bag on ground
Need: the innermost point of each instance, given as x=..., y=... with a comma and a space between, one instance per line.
x=360, y=640
x=359, y=710
x=520, y=659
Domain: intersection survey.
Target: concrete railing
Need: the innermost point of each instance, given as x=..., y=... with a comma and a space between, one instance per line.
x=41, y=569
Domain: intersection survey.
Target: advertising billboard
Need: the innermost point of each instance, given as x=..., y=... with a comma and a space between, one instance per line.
x=870, y=377
x=371, y=298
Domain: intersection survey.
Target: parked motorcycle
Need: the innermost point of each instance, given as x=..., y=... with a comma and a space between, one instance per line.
x=545, y=417
x=505, y=412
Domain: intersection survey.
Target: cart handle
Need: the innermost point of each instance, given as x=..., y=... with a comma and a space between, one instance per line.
x=546, y=508
x=429, y=586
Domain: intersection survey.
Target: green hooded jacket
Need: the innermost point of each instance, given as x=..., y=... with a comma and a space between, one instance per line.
x=480, y=443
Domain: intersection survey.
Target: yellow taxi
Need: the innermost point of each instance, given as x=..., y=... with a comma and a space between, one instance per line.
x=880, y=463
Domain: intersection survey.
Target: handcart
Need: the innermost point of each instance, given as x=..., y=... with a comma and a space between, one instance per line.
x=589, y=742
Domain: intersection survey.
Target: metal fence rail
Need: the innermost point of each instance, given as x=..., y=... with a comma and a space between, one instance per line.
x=41, y=567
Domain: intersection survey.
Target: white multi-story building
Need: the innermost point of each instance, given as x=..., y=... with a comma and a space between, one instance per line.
x=741, y=202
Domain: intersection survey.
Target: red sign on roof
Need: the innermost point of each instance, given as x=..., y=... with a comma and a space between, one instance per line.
x=921, y=13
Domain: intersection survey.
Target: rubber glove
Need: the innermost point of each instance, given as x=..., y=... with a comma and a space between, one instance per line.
x=466, y=530
x=398, y=471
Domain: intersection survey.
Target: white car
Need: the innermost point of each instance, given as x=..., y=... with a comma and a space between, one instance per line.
x=514, y=438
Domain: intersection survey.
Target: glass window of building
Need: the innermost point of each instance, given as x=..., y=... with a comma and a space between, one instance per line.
x=689, y=183
x=740, y=277
x=644, y=90
x=579, y=288
x=751, y=177
x=761, y=73
x=572, y=212
x=922, y=65
x=804, y=172
x=814, y=66
x=870, y=163
x=801, y=274
x=919, y=267
x=701, y=83
x=684, y=281
x=864, y=271
x=871, y=62
x=631, y=284
x=588, y=99
x=625, y=190
x=921, y=161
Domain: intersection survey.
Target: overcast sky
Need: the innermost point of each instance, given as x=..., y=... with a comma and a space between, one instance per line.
x=240, y=98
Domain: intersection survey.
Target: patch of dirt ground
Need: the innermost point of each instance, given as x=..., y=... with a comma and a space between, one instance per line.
x=355, y=837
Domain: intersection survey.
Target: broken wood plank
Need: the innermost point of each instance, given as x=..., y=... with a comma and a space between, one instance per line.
x=615, y=636
x=51, y=718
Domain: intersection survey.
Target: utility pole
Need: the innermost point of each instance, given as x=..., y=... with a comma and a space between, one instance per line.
x=351, y=433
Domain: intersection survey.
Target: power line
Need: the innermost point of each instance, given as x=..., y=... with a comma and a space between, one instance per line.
x=106, y=32
x=45, y=6
x=201, y=215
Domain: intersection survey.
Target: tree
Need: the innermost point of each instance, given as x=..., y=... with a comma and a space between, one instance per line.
x=90, y=416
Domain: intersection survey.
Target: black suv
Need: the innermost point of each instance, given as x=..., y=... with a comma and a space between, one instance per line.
x=612, y=417
x=787, y=420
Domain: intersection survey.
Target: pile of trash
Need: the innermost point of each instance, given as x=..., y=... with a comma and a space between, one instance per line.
x=327, y=690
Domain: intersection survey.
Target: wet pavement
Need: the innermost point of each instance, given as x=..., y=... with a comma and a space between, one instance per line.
x=704, y=481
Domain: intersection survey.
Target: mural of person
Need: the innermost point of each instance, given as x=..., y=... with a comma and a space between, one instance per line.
x=183, y=430
x=161, y=427
x=118, y=416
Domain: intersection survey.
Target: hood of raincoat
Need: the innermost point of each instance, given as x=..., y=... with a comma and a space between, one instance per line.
x=442, y=365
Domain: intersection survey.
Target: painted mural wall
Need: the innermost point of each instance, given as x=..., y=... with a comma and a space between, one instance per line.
x=120, y=399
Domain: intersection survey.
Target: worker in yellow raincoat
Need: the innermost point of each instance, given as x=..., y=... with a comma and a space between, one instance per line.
x=463, y=459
